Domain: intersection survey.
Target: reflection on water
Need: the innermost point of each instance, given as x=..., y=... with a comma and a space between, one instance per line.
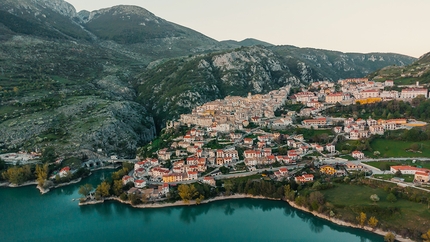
x=229, y=210
x=316, y=225
x=54, y=215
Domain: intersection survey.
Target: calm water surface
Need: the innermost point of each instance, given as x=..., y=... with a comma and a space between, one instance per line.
x=25, y=215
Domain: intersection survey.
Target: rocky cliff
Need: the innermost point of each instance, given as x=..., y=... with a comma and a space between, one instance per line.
x=104, y=79
x=183, y=83
x=71, y=96
x=335, y=65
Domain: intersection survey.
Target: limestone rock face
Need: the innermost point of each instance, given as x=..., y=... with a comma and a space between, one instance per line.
x=104, y=79
x=182, y=84
x=37, y=6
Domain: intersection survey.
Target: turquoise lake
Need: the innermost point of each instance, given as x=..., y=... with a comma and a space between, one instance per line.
x=25, y=215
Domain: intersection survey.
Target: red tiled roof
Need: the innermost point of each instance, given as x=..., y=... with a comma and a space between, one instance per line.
x=66, y=169
x=421, y=173
x=124, y=178
x=403, y=168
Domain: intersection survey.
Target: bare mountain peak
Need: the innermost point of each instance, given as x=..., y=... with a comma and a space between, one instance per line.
x=60, y=6
x=124, y=11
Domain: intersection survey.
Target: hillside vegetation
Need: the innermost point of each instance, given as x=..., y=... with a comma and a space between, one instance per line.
x=418, y=71
x=181, y=84
x=73, y=97
x=84, y=81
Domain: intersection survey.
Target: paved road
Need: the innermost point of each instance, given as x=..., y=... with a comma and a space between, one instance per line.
x=398, y=159
x=243, y=174
x=249, y=173
x=408, y=184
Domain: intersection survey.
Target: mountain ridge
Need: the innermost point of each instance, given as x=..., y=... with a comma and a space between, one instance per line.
x=180, y=84
x=246, y=42
x=59, y=68
x=418, y=71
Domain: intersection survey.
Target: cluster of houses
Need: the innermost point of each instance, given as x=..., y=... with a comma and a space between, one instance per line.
x=332, y=171
x=189, y=156
x=350, y=91
x=234, y=113
x=265, y=157
x=139, y=179
x=361, y=128
x=324, y=169
x=188, y=159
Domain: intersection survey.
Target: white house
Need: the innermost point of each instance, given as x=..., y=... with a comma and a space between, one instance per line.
x=330, y=148
x=64, y=171
x=192, y=175
x=139, y=183
x=409, y=170
x=209, y=180
x=163, y=189
x=357, y=154
x=126, y=179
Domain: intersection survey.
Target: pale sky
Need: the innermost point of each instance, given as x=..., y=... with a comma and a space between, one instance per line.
x=397, y=26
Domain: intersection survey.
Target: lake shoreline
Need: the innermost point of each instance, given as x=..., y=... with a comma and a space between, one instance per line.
x=346, y=224
x=11, y=185
x=242, y=196
x=46, y=190
x=177, y=203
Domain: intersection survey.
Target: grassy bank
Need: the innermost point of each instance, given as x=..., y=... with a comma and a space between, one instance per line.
x=396, y=148
x=408, y=178
x=404, y=216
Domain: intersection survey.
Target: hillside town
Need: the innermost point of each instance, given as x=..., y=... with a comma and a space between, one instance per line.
x=248, y=133
x=240, y=136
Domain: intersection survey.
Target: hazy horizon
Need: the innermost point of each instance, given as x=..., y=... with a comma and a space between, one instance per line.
x=365, y=26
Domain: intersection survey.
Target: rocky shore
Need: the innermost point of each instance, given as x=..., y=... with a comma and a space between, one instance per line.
x=41, y=189
x=46, y=190
x=175, y=204
x=7, y=184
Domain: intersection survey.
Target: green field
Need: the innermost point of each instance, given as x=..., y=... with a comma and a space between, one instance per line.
x=405, y=81
x=310, y=133
x=350, y=200
x=395, y=148
x=72, y=162
x=408, y=178
x=348, y=146
x=383, y=165
x=341, y=195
